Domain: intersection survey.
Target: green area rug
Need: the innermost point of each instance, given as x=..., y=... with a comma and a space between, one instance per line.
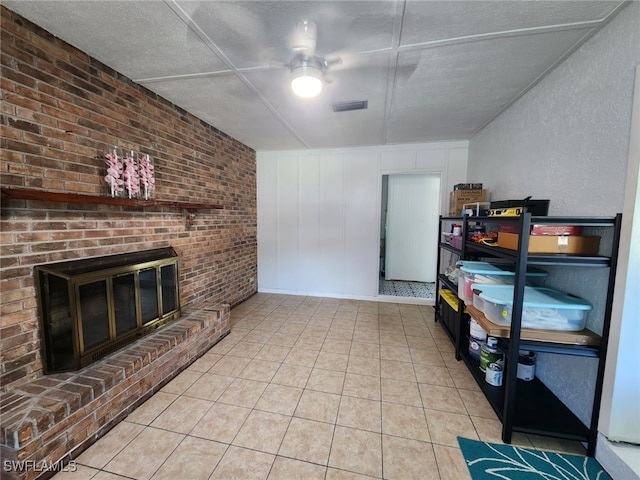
x=491, y=461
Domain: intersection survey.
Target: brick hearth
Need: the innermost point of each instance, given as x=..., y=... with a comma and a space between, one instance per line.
x=54, y=418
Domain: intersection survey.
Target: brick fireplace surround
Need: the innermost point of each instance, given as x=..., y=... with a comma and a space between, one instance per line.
x=61, y=111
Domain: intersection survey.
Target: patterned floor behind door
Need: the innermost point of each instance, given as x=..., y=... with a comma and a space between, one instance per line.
x=406, y=289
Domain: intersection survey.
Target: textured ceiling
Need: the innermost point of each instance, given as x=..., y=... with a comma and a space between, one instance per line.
x=430, y=70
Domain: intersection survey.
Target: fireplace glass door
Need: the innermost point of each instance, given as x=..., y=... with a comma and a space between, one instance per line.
x=91, y=307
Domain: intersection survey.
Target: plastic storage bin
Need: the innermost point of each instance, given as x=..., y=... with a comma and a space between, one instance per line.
x=542, y=308
x=489, y=273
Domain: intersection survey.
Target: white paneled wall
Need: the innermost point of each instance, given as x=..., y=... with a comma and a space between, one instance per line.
x=319, y=213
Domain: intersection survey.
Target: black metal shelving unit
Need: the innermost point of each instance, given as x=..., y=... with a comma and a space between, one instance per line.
x=530, y=407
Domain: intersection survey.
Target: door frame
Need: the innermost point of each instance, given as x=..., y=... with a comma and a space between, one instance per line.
x=441, y=173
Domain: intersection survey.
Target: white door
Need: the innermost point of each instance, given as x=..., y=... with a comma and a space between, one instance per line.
x=412, y=227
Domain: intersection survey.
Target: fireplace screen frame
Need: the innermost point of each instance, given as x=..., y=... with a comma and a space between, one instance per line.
x=61, y=314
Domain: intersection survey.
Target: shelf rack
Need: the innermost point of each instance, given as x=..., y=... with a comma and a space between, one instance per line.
x=530, y=407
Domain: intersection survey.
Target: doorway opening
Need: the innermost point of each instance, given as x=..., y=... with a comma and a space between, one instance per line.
x=408, y=230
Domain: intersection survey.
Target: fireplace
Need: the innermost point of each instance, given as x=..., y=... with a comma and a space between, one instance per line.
x=93, y=306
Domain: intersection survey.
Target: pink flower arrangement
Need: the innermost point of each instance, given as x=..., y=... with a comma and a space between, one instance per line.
x=131, y=172
x=130, y=176
x=114, y=172
x=146, y=176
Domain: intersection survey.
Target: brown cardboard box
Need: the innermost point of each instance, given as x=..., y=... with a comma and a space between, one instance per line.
x=572, y=244
x=458, y=198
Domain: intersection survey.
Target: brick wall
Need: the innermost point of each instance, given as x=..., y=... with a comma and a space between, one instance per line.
x=61, y=110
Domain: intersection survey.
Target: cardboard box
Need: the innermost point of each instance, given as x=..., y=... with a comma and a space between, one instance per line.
x=467, y=186
x=572, y=244
x=458, y=198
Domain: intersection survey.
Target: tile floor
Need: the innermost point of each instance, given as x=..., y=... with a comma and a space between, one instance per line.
x=309, y=388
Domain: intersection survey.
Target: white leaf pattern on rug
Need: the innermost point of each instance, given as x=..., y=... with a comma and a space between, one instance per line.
x=487, y=461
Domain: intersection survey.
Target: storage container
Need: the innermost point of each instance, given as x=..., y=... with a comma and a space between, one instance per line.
x=542, y=308
x=491, y=273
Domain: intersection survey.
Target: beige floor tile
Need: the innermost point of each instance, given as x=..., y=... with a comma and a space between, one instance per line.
x=335, y=345
x=445, y=427
x=205, y=362
x=307, y=440
x=221, y=423
x=336, y=474
x=339, y=333
x=290, y=469
x=433, y=375
x=103, y=451
x=362, y=349
x=149, y=410
x=262, y=431
x=301, y=356
x=243, y=393
x=181, y=382
x=257, y=336
x=182, y=415
x=360, y=413
x=464, y=380
x=398, y=391
x=279, y=399
x=488, y=429
x=241, y=463
x=326, y=381
x=436, y=397
x=319, y=406
x=477, y=404
x=293, y=328
x=283, y=339
x=405, y=458
x=404, y=421
x=292, y=375
x=209, y=387
x=269, y=326
x=260, y=370
x=363, y=366
x=366, y=336
x=451, y=464
x=394, y=339
x=144, y=455
x=363, y=386
x=77, y=472
x=194, y=459
x=229, y=366
x=273, y=353
x=224, y=345
x=108, y=476
x=398, y=370
x=311, y=343
x=399, y=354
x=357, y=451
x=332, y=361
x=315, y=331
x=427, y=357
x=245, y=349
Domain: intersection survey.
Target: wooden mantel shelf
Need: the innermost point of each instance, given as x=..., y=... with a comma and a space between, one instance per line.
x=44, y=196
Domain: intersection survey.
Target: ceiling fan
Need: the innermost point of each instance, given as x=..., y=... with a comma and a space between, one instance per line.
x=308, y=70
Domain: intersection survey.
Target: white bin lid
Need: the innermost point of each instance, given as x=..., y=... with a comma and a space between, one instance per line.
x=486, y=268
x=533, y=297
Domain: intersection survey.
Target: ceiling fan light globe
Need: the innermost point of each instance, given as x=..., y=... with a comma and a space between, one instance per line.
x=306, y=82
x=306, y=86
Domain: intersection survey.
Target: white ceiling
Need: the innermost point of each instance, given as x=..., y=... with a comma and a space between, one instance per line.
x=430, y=70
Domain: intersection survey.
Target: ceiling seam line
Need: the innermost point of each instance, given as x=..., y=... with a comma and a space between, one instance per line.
x=195, y=28
x=391, y=79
